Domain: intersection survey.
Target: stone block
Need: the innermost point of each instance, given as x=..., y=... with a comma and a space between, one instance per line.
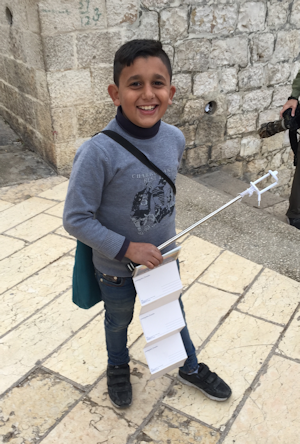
x=173, y=115
x=33, y=50
x=272, y=144
x=227, y=150
x=56, y=16
x=169, y=50
x=234, y=103
x=230, y=51
x=257, y=100
x=277, y=14
x=183, y=83
x=250, y=146
x=235, y=169
x=194, y=110
x=148, y=27
x=4, y=39
x=65, y=153
x=256, y=168
x=18, y=10
x=159, y=4
x=287, y=46
x=42, y=86
x=95, y=48
x=70, y=88
x=192, y=55
x=295, y=15
x=228, y=80
x=12, y=99
x=252, y=77
x=27, y=109
x=91, y=120
x=44, y=121
x=32, y=16
x=189, y=132
x=262, y=47
x=2, y=68
x=278, y=73
x=270, y=115
x=206, y=83
x=241, y=123
x=213, y=19
x=174, y=24
x=252, y=17
x=210, y=130
x=64, y=124
x=281, y=93
x=197, y=157
x=3, y=97
x=16, y=44
x=117, y=14
x=101, y=78
x=59, y=52
x=21, y=77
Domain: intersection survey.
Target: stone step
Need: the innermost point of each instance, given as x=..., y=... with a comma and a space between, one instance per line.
x=240, y=228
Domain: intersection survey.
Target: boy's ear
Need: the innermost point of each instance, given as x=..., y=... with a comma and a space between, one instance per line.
x=171, y=94
x=113, y=91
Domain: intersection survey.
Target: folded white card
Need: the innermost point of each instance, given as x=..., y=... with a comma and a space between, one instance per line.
x=162, y=321
x=165, y=355
x=158, y=286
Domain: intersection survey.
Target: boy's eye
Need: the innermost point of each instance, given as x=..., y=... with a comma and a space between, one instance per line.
x=135, y=84
x=158, y=83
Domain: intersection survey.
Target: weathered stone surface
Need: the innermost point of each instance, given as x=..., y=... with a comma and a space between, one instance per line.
x=64, y=124
x=194, y=110
x=192, y=55
x=59, y=52
x=206, y=83
x=43, y=120
x=70, y=87
x=234, y=103
x=277, y=14
x=42, y=86
x=272, y=144
x=250, y=146
x=148, y=27
x=118, y=14
x=262, y=47
x=287, y=45
x=97, y=47
x=27, y=109
x=269, y=115
x=183, y=83
x=241, y=123
x=2, y=68
x=33, y=50
x=92, y=120
x=252, y=77
x=228, y=80
x=174, y=23
x=213, y=19
x=278, y=73
x=256, y=168
x=231, y=51
x=158, y=4
x=32, y=16
x=281, y=93
x=197, y=157
x=295, y=14
x=56, y=16
x=101, y=78
x=257, y=100
x=16, y=45
x=252, y=17
x=189, y=132
x=21, y=76
x=173, y=115
x=210, y=130
x=226, y=150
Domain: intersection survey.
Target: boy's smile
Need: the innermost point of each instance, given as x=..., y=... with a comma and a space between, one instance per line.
x=144, y=91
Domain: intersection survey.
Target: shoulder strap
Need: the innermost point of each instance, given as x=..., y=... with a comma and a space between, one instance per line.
x=139, y=155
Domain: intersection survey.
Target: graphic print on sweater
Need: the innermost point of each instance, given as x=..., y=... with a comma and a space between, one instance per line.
x=151, y=205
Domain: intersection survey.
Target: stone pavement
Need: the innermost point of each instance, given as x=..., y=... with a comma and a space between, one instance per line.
x=243, y=318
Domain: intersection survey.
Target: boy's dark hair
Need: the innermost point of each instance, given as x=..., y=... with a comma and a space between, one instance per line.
x=128, y=52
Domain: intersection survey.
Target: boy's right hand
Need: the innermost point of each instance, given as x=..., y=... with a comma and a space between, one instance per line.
x=144, y=254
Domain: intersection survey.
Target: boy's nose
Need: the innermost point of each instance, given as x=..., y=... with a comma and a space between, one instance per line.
x=148, y=93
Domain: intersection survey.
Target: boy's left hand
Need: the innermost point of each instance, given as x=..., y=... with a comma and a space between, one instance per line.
x=144, y=254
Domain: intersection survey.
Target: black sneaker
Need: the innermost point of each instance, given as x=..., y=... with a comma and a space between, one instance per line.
x=295, y=222
x=119, y=386
x=209, y=383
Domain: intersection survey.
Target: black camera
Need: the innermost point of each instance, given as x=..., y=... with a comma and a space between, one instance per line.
x=289, y=122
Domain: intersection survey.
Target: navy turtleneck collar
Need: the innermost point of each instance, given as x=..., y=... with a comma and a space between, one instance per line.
x=134, y=130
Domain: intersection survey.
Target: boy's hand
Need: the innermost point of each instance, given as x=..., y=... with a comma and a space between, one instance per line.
x=292, y=103
x=144, y=254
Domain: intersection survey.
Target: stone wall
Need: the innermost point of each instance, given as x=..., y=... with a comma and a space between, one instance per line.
x=240, y=55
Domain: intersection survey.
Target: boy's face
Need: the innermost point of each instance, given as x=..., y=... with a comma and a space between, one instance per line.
x=144, y=91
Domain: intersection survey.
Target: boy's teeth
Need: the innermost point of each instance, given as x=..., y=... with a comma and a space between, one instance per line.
x=146, y=108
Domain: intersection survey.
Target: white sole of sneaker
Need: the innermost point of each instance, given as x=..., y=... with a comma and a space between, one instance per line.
x=213, y=398
x=120, y=407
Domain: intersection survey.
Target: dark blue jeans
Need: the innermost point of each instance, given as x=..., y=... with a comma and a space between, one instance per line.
x=119, y=297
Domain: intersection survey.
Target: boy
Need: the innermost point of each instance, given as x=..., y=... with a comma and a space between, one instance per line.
x=122, y=209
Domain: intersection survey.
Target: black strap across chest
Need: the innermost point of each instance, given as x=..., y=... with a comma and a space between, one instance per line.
x=139, y=155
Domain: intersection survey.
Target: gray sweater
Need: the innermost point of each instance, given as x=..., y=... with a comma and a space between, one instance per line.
x=113, y=196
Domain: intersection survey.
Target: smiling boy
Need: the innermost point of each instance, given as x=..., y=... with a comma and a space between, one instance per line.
x=122, y=209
